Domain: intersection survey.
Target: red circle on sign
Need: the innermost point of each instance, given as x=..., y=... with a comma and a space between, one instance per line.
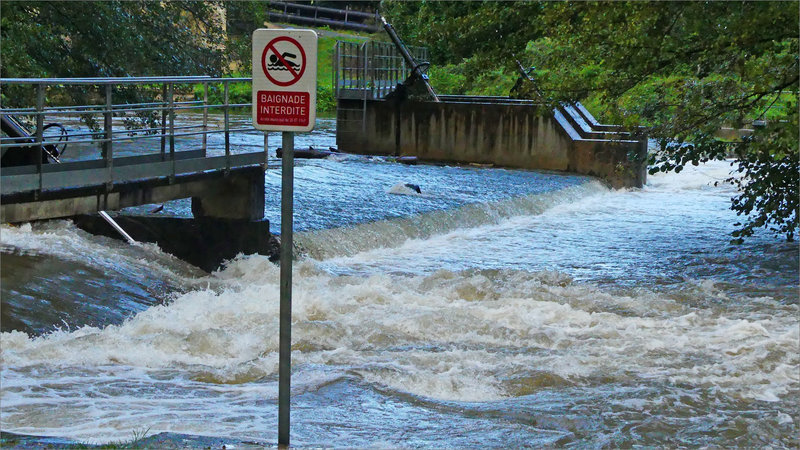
x=295, y=74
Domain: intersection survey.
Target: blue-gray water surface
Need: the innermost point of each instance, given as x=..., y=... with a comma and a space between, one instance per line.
x=499, y=308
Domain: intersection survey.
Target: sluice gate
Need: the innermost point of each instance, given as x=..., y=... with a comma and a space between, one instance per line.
x=384, y=110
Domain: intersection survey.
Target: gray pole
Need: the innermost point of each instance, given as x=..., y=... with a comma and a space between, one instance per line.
x=285, y=344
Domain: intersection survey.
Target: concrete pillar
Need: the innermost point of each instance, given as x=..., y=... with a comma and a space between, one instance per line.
x=239, y=195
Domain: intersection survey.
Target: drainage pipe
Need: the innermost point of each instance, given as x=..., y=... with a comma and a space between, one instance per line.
x=116, y=226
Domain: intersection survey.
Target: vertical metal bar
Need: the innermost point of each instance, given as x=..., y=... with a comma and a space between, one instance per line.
x=266, y=150
x=342, y=65
x=163, y=122
x=336, y=66
x=371, y=66
x=108, y=147
x=352, y=56
x=403, y=68
x=205, y=118
x=285, y=331
x=39, y=133
x=364, y=87
x=384, y=71
x=227, y=131
x=171, y=94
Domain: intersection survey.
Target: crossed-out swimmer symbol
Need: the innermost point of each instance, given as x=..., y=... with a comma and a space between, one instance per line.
x=279, y=65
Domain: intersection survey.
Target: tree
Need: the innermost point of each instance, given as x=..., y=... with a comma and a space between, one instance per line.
x=110, y=39
x=107, y=39
x=685, y=70
x=472, y=44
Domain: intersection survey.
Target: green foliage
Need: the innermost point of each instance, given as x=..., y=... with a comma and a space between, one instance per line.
x=452, y=79
x=684, y=70
x=326, y=103
x=72, y=39
x=110, y=39
x=448, y=79
x=476, y=42
x=106, y=39
x=237, y=92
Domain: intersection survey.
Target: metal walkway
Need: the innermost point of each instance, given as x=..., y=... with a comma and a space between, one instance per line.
x=151, y=132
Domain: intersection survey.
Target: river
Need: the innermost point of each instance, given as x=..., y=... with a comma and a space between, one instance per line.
x=498, y=308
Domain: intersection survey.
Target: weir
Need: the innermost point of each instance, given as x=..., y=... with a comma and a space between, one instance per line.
x=386, y=107
x=142, y=154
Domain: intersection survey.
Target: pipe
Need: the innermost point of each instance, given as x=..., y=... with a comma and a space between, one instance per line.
x=322, y=9
x=322, y=21
x=407, y=56
x=116, y=226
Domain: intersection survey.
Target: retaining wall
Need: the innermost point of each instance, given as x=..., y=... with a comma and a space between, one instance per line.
x=513, y=134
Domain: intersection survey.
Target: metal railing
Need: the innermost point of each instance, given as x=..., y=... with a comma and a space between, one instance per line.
x=322, y=16
x=370, y=70
x=136, y=116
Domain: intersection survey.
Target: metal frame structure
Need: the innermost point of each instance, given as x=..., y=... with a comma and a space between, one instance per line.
x=370, y=70
x=165, y=160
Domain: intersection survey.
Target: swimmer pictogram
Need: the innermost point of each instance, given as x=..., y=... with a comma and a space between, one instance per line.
x=283, y=61
x=276, y=63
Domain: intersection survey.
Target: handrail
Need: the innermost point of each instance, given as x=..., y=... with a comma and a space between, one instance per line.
x=341, y=12
x=163, y=101
x=122, y=80
x=294, y=12
x=374, y=67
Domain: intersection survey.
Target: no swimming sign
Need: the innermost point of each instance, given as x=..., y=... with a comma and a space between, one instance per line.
x=284, y=80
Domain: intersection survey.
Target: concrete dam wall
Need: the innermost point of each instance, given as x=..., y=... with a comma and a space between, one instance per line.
x=492, y=130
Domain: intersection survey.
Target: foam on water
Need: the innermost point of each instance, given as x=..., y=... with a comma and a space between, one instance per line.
x=61, y=239
x=392, y=233
x=458, y=336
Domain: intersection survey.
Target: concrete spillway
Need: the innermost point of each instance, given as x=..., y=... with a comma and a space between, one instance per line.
x=385, y=107
x=503, y=132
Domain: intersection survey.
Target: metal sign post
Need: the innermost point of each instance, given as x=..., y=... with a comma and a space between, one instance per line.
x=285, y=99
x=285, y=345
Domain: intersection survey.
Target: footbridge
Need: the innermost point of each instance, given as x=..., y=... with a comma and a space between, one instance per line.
x=130, y=141
x=387, y=107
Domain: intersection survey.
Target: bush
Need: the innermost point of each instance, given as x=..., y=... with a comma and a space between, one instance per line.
x=448, y=80
x=326, y=103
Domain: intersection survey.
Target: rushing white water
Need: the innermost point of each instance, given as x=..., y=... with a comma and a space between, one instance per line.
x=576, y=315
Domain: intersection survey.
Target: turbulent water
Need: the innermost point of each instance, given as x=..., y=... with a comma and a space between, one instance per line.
x=495, y=308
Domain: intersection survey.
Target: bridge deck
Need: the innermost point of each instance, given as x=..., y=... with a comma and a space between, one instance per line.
x=40, y=185
x=18, y=180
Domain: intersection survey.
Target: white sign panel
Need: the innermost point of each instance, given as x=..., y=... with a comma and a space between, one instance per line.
x=284, y=79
